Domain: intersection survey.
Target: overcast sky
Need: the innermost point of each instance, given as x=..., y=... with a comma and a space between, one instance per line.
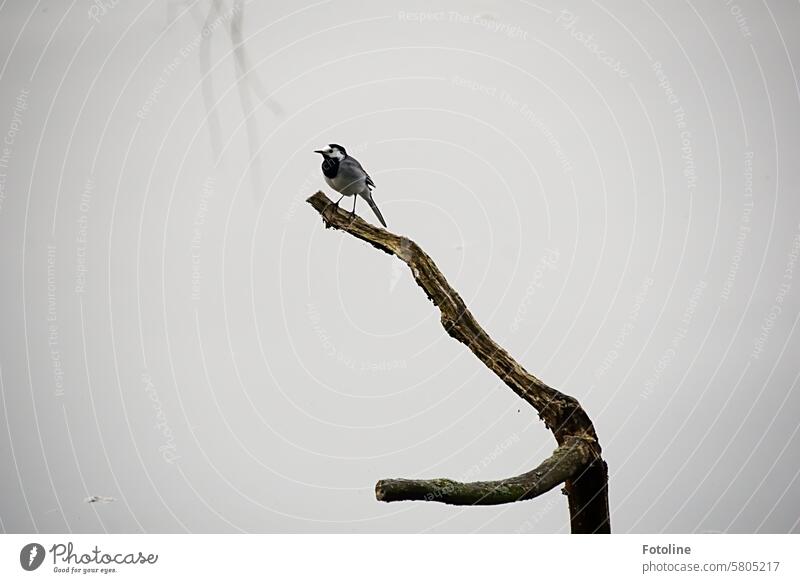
x=611, y=186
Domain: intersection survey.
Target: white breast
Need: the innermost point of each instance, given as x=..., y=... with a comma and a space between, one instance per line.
x=346, y=186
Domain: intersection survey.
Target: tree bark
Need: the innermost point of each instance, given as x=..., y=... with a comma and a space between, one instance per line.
x=566, y=461
x=577, y=461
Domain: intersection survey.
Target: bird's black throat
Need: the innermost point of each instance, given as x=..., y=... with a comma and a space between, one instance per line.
x=330, y=167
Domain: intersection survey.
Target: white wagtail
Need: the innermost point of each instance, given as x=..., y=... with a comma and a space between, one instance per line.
x=346, y=176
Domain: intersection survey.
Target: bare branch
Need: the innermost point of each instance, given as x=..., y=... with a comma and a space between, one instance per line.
x=560, y=412
x=566, y=462
x=586, y=487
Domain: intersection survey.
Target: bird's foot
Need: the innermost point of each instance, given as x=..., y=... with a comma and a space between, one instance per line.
x=332, y=207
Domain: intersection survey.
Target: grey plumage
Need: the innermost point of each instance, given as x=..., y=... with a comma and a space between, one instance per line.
x=346, y=176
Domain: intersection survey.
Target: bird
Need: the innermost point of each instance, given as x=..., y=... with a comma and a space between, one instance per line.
x=347, y=176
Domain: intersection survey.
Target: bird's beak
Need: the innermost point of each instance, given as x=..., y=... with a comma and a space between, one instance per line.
x=319, y=152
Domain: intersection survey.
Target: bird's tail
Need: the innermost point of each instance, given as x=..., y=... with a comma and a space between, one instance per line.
x=368, y=197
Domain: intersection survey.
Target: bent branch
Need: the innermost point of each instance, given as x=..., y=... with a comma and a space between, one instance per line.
x=586, y=485
x=567, y=461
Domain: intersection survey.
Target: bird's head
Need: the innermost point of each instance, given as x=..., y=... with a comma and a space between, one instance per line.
x=334, y=151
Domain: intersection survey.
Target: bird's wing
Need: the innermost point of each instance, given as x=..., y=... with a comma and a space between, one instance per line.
x=358, y=165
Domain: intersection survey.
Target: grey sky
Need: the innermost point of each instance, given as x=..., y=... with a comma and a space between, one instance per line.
x=612, y=187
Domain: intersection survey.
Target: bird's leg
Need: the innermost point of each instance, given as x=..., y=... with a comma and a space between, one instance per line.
x=335, y=208
x=353, y=212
